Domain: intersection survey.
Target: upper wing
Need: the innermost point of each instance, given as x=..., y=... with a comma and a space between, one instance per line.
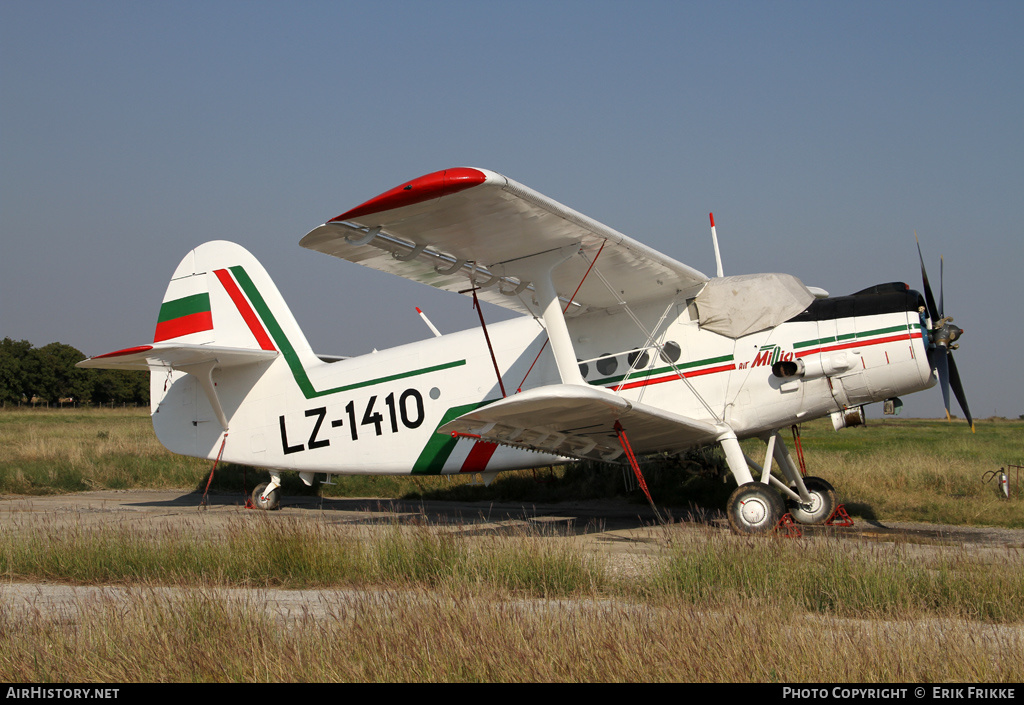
x=457, y=225
x=579, y=422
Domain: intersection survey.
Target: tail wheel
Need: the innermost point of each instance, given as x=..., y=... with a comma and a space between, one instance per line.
x=755, y=508
x=821, y=506
x=269, y=501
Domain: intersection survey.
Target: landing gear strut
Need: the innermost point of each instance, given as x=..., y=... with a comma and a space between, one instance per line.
x=758, y=504
x=267, y=495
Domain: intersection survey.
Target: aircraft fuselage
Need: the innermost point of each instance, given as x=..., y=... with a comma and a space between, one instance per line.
x=378, y=413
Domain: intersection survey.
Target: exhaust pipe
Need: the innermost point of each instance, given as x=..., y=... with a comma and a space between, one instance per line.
x=815, y=366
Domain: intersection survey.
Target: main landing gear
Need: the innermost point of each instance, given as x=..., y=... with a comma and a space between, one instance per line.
x=822, y=504
x=755, y=508
x=757, y=505
x=267, y=495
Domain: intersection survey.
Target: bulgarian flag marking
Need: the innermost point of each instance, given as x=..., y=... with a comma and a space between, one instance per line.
x=190, y=314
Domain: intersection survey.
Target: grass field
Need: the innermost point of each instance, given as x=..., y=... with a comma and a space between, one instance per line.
x=474, y=636
x=925, y=470
x=417, y=603
x=908, y=469
x=421, y=603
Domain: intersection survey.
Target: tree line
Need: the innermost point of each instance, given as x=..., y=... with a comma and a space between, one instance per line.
x=48, y=374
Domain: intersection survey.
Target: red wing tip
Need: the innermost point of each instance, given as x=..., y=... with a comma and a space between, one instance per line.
x=126, y=351
x=712, y=216
x=425, y=188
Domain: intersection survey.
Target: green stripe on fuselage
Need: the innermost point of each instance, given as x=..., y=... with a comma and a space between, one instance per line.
x=641, y=374
x=852, y=336
x=391, y=378
x=435, y=454
x=292, y=358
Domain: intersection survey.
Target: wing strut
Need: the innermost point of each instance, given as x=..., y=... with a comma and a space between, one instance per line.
x=567, y=305
x=539, y=268
x=490, y=348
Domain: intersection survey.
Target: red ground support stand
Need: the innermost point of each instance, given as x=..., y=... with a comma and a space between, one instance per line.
x=788, y=528
x=245, y=490
x=839, y=517
x=202, y=502
x=628, y=449
x=799, y=449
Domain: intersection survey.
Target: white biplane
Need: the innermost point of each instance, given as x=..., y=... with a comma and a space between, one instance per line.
x=620, y=352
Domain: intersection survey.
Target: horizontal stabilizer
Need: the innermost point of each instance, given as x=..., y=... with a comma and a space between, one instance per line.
x=579, y=422
x=197, y=360
x=176, y=355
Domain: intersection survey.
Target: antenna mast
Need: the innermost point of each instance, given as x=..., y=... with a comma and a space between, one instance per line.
x=714, y=239
x=437, y=333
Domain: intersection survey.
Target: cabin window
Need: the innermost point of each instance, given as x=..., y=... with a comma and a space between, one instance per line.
x=670, y=352
x=607, y=364
x=638, y=358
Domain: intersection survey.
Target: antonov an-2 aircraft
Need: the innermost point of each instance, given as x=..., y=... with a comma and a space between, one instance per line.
x=620, y=352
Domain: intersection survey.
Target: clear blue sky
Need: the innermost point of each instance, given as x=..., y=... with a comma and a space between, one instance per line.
x=821, y=134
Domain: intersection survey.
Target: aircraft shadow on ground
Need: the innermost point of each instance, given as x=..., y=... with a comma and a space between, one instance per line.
x=504, y=517
x=513, y=518
x=863, y=511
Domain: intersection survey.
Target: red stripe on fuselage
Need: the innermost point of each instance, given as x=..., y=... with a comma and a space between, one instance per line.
x=859, y=344
x=248, y=315
x=425, y=188
x=670, y=378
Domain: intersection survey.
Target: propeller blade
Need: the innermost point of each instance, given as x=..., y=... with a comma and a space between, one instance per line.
x=939, y=359
x=958, y=390
x=940, y=354
x=942, y=266
x=933, y=311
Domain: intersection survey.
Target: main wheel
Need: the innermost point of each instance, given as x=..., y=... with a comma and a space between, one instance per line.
x=754, y=508
x=823, y=502
x=268, y=502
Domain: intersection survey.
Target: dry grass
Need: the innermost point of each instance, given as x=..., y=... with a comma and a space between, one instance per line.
x=706, y=569
x=421, y=603
x=922, y=470
x=451, y=635
x=835, y=577
x=428, y=603
x=48, y=451
x=263, y=552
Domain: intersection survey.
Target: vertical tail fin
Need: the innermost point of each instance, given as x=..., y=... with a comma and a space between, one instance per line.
x=222, y=326
x=221, y=295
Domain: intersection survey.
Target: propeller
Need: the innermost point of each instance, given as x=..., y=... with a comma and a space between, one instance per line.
x=943, y=335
